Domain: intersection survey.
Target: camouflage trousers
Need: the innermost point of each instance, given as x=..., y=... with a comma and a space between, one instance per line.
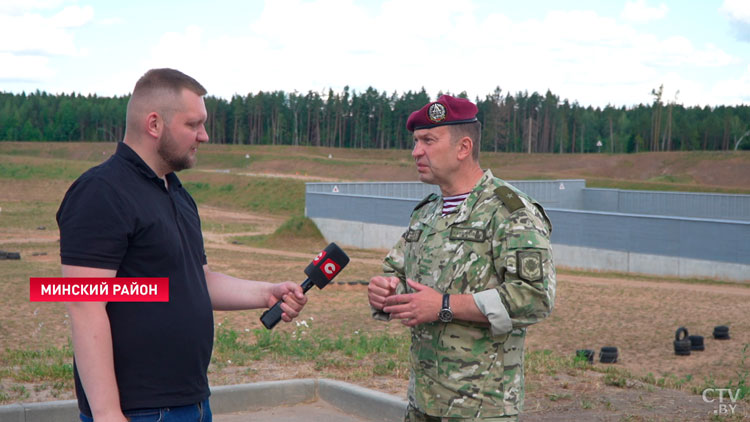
x=415, y=415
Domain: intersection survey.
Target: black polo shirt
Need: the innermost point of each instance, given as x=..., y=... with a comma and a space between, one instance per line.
x=119, y=216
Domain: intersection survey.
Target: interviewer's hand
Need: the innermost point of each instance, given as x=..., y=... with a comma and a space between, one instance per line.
x=415, y=308
x=292, y=297
x=379, y=289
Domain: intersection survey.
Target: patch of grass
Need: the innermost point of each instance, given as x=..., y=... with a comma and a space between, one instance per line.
x=66, y=170
x=20, y=391
x=557, y=397
x=740, y=386
x=218, y=226
x=54, y=364
x=548, y=362
x=29, y=215
x=298, y=231
x=261, y=194
x=670, y=178
x=386, y=352
x=614, y=378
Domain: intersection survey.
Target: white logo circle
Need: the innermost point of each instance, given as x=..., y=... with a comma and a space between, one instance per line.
x=329, y=268
x=436, y=113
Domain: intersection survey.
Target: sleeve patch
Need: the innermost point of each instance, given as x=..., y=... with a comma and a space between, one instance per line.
x=529, y=265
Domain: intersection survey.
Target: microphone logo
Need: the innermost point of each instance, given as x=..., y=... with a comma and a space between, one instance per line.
x=320, y=256
x=330, y=269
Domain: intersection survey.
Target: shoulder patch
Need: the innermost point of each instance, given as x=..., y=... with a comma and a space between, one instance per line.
x=431, y=197
x=509, y=198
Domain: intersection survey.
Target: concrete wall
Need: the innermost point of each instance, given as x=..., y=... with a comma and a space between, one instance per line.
x=353, y=215
x=573, y=194
x=380, y=236
x=676, y=204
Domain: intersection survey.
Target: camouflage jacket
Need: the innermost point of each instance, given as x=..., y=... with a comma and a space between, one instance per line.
x=498, y=239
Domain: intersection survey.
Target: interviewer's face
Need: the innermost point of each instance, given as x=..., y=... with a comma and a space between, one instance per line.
x=183, y=132
x=435, y=155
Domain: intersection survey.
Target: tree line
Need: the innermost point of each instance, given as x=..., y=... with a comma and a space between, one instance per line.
x=519, y=122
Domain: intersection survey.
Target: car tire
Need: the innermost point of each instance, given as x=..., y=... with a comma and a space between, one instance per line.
x=608, y=354
x=681, y=344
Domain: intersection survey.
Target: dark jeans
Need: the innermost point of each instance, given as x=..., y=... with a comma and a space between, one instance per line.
x=200, y=412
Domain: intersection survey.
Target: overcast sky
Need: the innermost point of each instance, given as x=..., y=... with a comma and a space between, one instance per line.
x=590, y=51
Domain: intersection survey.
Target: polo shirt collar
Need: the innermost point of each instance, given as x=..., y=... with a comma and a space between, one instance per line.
x=128, y=154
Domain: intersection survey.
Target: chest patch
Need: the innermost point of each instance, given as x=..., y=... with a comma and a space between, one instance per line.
x=467, y=233
x=412, y=235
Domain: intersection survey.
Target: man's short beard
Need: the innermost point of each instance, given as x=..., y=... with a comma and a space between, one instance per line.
x=167, y=150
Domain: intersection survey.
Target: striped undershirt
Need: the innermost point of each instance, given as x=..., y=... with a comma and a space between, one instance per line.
x=451, y=203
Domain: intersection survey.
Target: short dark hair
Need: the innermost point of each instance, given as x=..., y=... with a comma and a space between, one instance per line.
x=472, y=130
x=156, y=91
x=169, y=79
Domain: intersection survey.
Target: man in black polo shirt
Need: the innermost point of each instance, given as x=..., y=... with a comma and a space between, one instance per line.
x=131, y=217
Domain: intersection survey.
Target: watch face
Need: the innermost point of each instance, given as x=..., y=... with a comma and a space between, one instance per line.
x=445, y=315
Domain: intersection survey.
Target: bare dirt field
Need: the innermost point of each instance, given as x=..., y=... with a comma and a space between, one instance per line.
x=637, y=315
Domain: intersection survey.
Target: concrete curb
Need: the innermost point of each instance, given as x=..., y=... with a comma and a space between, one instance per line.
x=352, y=399
x=363, y=402
x=246, y=397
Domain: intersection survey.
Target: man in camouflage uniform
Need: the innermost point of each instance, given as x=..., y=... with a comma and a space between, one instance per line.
x=467, y=282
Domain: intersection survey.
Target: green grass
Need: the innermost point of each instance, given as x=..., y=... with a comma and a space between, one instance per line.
x=318, y=345
x=670, y=178
x=49, y=369
x=293, y=231
x=29, y=215
x=259, y=194
x=65, y=170
x=50, y=364
x=218, y=226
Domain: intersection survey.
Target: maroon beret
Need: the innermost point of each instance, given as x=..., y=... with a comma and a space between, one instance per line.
x=446, y=110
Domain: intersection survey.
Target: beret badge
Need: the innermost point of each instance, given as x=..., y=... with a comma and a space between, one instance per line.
x=436, y=113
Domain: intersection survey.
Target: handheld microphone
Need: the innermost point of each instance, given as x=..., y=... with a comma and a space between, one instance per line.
x=329, y=262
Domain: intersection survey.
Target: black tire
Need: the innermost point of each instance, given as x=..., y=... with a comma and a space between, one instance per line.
x=13, y=255
x=608, y=354
x=721, y=332
x=682, y=347
x=682, y=344
x=696, y=343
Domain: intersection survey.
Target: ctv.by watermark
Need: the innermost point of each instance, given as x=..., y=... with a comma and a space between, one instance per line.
x=725, y=400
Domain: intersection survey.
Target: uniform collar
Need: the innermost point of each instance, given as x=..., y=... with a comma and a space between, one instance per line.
x=464, y=210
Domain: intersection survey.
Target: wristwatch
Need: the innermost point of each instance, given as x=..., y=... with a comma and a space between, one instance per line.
x=445, y=314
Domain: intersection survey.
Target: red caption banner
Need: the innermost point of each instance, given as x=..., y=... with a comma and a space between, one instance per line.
x=99, y=289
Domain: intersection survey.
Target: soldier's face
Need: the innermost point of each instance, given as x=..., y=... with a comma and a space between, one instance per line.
x=435, y=154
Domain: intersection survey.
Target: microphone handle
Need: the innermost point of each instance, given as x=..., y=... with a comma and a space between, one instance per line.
x=272, y=316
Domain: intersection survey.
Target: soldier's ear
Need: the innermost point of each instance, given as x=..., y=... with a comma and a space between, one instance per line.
x=465, y=145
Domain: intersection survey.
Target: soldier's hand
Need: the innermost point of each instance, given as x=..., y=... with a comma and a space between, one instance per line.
x=415, y=308
x=380, y=288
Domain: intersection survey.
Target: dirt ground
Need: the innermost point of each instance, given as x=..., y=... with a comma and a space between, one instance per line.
x=638, y=317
